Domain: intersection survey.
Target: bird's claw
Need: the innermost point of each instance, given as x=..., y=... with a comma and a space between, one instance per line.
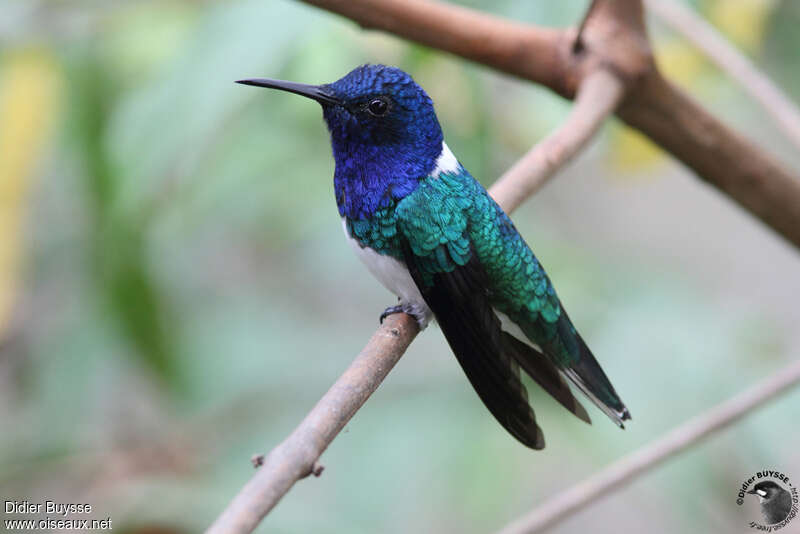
x=420, y=314
x=391, y=310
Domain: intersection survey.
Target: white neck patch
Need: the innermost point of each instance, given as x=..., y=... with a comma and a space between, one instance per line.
x=446, y=162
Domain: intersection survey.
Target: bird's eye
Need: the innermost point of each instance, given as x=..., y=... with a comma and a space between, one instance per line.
x=378, y=107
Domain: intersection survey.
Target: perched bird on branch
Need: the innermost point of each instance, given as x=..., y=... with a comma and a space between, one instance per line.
x=430, y=233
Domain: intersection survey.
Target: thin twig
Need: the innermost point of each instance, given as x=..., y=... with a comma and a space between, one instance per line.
x=650, y=456
x=294, y=459
x=597, y=98
x=684, y=20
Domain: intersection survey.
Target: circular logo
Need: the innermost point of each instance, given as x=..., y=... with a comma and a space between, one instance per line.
x=777, y=498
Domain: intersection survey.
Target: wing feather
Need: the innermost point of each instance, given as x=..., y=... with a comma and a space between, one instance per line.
x=459, y=301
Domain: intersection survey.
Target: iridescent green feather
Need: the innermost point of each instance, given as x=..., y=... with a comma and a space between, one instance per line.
x=450, y=217
x=446, y=220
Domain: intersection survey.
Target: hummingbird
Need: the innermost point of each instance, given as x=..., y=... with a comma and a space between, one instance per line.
x=432, y=235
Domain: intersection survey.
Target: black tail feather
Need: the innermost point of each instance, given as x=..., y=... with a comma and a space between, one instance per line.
x=587, y=375
x=544, y=373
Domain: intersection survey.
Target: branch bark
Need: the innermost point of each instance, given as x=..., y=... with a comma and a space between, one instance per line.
x=652, y=455
x=614, y=37
x=524, y=50
x=597, y=98
x=684, y=20
x=720, y=156
x=296, y=456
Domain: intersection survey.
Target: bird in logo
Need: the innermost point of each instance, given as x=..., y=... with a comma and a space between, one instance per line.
x=776, y=502
x=431, y=234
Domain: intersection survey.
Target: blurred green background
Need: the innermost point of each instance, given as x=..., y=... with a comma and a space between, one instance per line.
x=175, y=291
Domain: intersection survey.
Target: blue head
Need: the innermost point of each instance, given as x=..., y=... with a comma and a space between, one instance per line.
x=384, y=134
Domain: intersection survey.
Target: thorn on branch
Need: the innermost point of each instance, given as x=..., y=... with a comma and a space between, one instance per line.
x=257, y=460
x=579, y=46
x=317, y=469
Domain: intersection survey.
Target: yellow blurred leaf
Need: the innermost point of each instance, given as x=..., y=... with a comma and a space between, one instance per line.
x=742, y=21
x=632, y=151
x=28, y=88
x=679, y=60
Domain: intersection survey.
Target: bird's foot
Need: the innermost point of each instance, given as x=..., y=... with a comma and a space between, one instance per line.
x=389, y=311
x=421, y=313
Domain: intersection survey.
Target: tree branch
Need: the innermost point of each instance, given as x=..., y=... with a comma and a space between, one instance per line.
x=524, y=50
x=296, y=456
x=717, y=154
x=684, y=20
x=639, y=462
x=613, y=37
x=597, y=98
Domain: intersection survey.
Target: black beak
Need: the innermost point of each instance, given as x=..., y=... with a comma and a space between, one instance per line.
x=314, y=92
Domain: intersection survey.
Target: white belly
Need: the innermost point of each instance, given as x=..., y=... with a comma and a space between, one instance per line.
x=394, y=276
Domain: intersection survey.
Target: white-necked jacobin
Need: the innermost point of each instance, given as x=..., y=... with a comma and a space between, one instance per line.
x=430, y=233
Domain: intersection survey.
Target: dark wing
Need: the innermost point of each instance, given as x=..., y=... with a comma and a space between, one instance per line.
x=433, y=230
x=458, y=300
x=525, y=294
